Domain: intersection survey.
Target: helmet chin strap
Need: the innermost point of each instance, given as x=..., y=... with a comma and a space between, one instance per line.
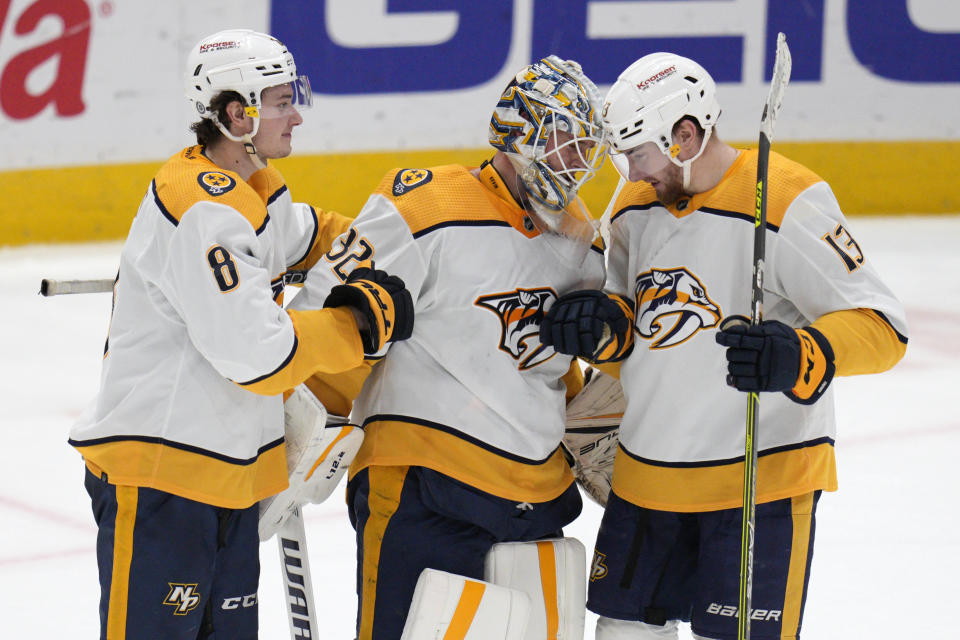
x=246, y=139
x=686, y=164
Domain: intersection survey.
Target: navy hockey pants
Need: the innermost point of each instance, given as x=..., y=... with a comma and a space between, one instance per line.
x=410, y=518
x=655, y=566
x=173, y=568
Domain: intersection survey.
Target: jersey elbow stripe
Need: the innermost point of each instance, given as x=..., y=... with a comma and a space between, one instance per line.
x=286, y=361
x=902, y=338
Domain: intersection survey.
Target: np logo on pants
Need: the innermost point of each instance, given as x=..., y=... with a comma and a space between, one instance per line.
x=184, y=597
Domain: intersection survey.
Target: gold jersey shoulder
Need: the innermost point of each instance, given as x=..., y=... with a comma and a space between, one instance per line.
x=190, y=177
x=438, y=195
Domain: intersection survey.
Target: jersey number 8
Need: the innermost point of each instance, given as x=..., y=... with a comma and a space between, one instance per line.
x=223, y=267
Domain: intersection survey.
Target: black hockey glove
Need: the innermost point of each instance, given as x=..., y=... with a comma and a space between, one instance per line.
x=381, y=298
x=586, y=323
x=772, y=356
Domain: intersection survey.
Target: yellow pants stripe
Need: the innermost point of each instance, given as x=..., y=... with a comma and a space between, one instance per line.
x=548, y=581
x=122, y=557
x=466, y=610
x=802, y=509
x=386, y=483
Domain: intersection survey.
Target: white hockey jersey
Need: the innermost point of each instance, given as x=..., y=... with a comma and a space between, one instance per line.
x=200, y=348
x=472, y=394
x=685, y=268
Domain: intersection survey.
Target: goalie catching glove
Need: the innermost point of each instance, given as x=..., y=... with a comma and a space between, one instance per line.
x=319, y=450
x=593, y=432
x=382, y=299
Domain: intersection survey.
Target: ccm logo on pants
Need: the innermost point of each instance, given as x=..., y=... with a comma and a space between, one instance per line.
x=239, y=601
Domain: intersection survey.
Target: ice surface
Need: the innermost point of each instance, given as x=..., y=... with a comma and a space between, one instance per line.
x=887, y=556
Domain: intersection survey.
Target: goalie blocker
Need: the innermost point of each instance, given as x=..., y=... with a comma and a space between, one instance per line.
x=531, y=591
x=320, y=447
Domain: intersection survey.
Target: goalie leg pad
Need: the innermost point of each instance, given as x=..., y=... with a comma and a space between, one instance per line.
x=446, y=605
x=553, y=574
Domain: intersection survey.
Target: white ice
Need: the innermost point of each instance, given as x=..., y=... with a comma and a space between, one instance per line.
x=887, y=555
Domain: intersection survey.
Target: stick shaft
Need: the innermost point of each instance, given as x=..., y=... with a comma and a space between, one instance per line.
x=781, y=76
x=295, y=566
x=50, y=287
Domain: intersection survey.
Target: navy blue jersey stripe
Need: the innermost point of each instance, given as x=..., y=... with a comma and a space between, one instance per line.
x=635, y=207
x=178, y=445
x=159, y=203
x=748, y=217
x=902, y=338
x=313, y=238
x=276, y=194
x=462, y=223
x=286, y=361
x=720, y=463
x=384, y=417
x=263, y=226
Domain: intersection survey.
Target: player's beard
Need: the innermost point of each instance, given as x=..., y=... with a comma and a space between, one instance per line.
x=670, y=187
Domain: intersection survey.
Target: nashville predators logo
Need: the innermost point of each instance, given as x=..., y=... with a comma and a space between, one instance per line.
x=184, y=597
x=520, y=312
x=598, y=570
x=672, y=305
x=410, y=179
x=216, y=183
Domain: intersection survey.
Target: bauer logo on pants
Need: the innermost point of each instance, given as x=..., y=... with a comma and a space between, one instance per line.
x=184, y=597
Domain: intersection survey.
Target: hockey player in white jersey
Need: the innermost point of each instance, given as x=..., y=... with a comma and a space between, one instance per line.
x=187, y=432
x=679, y=265
x=463, y=421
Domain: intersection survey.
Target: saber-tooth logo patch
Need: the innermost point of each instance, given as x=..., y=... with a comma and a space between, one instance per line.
x=184, y=597
x=672, y=305
x=520, y=312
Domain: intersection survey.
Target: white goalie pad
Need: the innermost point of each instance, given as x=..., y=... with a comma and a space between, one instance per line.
x=593, y=432
x=320, y=447
x=553, y=573
x=446, y=605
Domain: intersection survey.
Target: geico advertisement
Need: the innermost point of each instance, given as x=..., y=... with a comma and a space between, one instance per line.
x=100, y=81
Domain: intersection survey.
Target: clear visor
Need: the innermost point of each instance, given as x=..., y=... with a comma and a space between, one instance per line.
x=284, y=100
x=641, y=161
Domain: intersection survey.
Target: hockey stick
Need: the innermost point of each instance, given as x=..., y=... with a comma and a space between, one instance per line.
x=295, y=566
x=50, y=287
x=781, y=76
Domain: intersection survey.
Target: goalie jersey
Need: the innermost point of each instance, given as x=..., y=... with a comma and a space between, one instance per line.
x=685, y=268
x=472, y=394
x=199, y=348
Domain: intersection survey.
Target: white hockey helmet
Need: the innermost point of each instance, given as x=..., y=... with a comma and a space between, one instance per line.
x=652, y=95
x=545, y=99
x=246, y=62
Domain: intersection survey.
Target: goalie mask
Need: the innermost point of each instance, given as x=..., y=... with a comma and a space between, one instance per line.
x=548, y=124
x=246, y=62
x=641, y=108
